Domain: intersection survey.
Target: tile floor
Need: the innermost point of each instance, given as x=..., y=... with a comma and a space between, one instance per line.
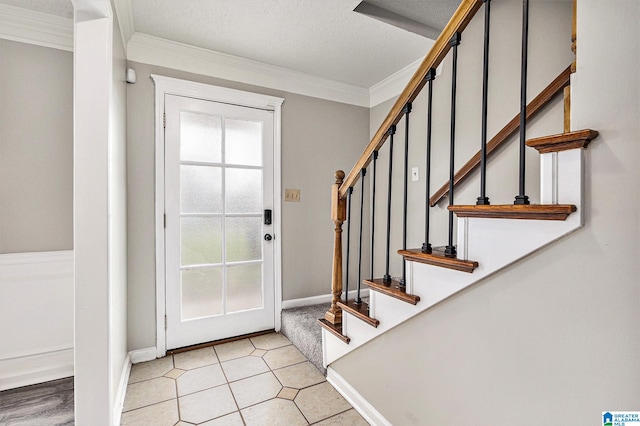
x=263, y=380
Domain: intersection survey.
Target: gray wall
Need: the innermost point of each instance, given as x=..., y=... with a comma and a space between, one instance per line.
x=554, y=336
x=318, y=137
x=36, y=148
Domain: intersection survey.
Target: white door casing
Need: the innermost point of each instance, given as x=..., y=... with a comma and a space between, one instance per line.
x=165, y=88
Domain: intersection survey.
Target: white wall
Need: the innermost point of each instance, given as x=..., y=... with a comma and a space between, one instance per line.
x=554, y=336
x=99, y=215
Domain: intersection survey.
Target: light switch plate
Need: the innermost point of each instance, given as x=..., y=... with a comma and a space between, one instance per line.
x=292, y=195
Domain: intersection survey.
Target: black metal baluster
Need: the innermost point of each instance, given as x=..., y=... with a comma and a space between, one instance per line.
x=390, y=132
x=346, y=281
x=358, y=300
x=426, y=246
x=521, y=198
x=483, y=199
x=450, y=250
x=406, y=111
x=373, y=209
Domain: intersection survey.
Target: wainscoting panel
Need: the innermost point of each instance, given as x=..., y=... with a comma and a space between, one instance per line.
x=36, y=317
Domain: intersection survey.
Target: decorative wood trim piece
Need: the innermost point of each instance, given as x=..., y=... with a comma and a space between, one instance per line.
x=439, y=259
x=458, y=22
x=338, y=216
x=511, y=211
x=392, y=289
x=539, y=102
x=567, y=109
x=563, y=142
x=360, y=311
x=336, y=330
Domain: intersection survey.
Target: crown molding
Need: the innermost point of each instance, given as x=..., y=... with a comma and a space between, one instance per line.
x=161, y=52
x=30, y=26
x=393, y=85
x=125, y=20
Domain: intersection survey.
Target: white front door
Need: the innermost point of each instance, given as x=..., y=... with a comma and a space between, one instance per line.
x=219, y=252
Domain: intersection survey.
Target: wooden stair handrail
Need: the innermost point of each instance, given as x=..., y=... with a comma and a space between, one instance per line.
x=548, y=93
x=458, y=22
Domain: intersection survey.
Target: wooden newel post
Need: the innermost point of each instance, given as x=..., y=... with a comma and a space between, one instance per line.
x=338, y=216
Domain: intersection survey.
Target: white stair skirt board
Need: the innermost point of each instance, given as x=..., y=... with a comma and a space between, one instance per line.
x=493, y=243
x=36, y=317
x=356, y=400
x=316, y=300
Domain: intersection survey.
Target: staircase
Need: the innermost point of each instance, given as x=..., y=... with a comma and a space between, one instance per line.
x=488, y=237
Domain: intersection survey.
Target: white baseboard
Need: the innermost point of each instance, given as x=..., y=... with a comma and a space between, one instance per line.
x=36, y=310
x=316, y=300
x=122, y=390
x=143, y=355
x=38, y=367
x=356, y=400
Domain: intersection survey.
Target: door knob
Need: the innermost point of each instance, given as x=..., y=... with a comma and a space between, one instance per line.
x=268, y=237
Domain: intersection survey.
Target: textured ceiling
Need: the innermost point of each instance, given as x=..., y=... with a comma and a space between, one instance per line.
x=325, y=38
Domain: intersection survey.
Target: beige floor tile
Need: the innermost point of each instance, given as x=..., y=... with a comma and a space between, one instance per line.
x=164, y=413
x=233, y=350
x=200, y=379
x=258, y=352
x=270, y=341
x=175, y=373
x=275, y=412
x=195, y=359
x=350, y=417
x=151, y=369
x=149, y=392
x=232, y=419
x=299, y=376
x=283, y=357
x=288, y=393
x=320, y=402
x=206, y=405
x=244, y=367
x=255, y=389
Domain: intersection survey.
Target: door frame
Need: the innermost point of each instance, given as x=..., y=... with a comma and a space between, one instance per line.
x=173, y=86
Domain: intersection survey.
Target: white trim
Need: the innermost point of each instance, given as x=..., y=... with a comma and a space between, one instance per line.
x=143, y=355
x=167, y=85
x=393, y=85
x=316, y=300
x=36, y=367
x=356, y=400
x=33, y=27
x=125, y=20
x=118, y=404
x=37, y=257
x=166, y=53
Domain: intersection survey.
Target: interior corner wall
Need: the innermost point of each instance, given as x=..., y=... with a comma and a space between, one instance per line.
x=36, y=148
x=554, y=336
x=318, y=138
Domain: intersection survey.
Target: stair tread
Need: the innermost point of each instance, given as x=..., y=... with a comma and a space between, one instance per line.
x=563, y=141
x=360, y=311
x=511, y=211
x=335, y=329
x=437, y=258
x=392, y=289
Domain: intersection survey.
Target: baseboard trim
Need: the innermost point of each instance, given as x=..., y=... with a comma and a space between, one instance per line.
x=143, y=355
x=118, y=404
x=316, y=300
x=32, y=368
x=354, y=398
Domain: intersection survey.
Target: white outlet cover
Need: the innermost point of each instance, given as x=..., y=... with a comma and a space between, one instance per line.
x=414, y=174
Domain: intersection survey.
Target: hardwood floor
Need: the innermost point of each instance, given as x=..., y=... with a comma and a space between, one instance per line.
x=47, y=404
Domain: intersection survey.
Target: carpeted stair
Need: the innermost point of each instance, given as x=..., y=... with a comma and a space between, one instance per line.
x=300, y=325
